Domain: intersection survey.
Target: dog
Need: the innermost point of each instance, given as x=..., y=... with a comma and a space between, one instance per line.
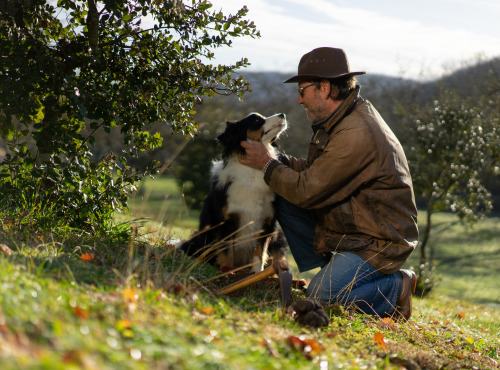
x=237, y=225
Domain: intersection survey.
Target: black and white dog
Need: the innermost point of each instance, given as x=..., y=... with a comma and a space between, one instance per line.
x=237, y=222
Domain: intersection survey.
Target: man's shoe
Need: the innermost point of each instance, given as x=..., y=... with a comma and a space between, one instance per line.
x=403, y=303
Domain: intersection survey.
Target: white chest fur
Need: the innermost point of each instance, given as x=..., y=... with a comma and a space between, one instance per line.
x=249, y=195
x=250, y=198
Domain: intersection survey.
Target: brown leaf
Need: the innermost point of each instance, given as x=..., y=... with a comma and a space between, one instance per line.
x=460, y=315
x=80, y=312
x=308, y=347
x=295, y=342
x=315, y=346
x=434, y=321
x=178, y=289
x=387, y=323
x=380, y=340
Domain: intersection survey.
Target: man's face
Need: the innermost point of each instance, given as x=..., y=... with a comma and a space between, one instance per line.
x=311, y=99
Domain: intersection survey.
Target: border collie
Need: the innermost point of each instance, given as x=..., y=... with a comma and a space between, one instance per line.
x=237, y=222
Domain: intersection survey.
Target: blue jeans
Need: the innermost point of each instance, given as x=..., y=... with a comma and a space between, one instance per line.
x=344, y=278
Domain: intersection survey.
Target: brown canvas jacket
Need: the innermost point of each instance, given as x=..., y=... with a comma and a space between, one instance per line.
x=356, y=179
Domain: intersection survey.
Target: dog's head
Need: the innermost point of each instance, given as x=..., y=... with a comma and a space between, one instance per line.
x=255, y=127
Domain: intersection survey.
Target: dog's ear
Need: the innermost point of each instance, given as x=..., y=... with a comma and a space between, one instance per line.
x=230, y=139
x=221, y=138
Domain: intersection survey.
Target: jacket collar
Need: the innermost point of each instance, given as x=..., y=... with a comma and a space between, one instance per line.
x=338, y=113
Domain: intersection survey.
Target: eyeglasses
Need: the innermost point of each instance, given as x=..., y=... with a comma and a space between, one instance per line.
x=302, y=89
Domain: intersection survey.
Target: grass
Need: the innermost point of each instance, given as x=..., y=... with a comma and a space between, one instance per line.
x=466, y=257
x=160, y=200
x=73, y=301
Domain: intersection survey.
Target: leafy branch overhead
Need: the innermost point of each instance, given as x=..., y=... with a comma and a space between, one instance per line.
x=72, y=70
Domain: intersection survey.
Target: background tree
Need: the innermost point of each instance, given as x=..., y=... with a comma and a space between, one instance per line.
x=75, y=70
x=449, y=147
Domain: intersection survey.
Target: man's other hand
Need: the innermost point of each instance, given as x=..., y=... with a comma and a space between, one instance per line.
x=256, y=155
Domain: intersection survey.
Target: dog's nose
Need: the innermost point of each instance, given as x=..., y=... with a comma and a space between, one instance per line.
x=281, y=115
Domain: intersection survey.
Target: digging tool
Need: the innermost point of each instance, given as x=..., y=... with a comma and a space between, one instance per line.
x=285, y=279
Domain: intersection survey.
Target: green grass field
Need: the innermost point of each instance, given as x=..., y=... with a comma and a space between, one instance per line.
x=74, y=301
x=467, y=258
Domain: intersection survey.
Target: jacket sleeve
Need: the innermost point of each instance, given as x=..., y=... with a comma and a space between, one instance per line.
x=297, y=164
x=346, y=163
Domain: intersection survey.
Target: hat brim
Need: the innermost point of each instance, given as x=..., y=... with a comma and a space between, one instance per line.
x=298, y=78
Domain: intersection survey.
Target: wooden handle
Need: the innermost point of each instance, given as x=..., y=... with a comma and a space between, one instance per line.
x=268, y=271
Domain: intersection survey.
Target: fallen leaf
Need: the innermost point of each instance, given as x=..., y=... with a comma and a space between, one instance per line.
x=69, y=357
x=211, y=336
x=387, y=323
x=123, y=324
x=308, y=347
x=460, y=315
x=80, y=312
x=380, y=340
x=315, y=346
x=432, y=320
x=130, y=294
x=178, y=289
x=87, y=257
x=207, y=310
x=295, y=342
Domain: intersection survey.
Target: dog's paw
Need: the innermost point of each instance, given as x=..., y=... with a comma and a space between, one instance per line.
x=175, y=243
x=310, y=313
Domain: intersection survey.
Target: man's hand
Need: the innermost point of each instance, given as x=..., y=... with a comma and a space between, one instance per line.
x=256, y=154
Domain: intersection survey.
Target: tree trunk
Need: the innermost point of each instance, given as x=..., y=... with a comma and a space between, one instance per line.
x=427, y=231
x=93, y=26
x=44, y=138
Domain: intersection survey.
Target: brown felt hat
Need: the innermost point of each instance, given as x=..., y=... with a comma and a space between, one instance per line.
x=327, y=63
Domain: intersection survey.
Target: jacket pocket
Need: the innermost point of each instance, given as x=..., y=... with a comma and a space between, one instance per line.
x=330, y=241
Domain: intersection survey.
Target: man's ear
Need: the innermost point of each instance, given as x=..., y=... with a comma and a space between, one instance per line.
x=328, y=90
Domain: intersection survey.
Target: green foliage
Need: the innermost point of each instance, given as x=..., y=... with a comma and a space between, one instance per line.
x=449, y=152
x=192, y=168
x=450, y=146
x=73, y=70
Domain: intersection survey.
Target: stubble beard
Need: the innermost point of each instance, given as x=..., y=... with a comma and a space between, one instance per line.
x=314, y=116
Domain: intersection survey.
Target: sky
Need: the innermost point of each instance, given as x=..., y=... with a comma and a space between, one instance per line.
x=420, y=39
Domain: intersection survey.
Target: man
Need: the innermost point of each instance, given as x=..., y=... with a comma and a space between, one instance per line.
x=348, y=207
